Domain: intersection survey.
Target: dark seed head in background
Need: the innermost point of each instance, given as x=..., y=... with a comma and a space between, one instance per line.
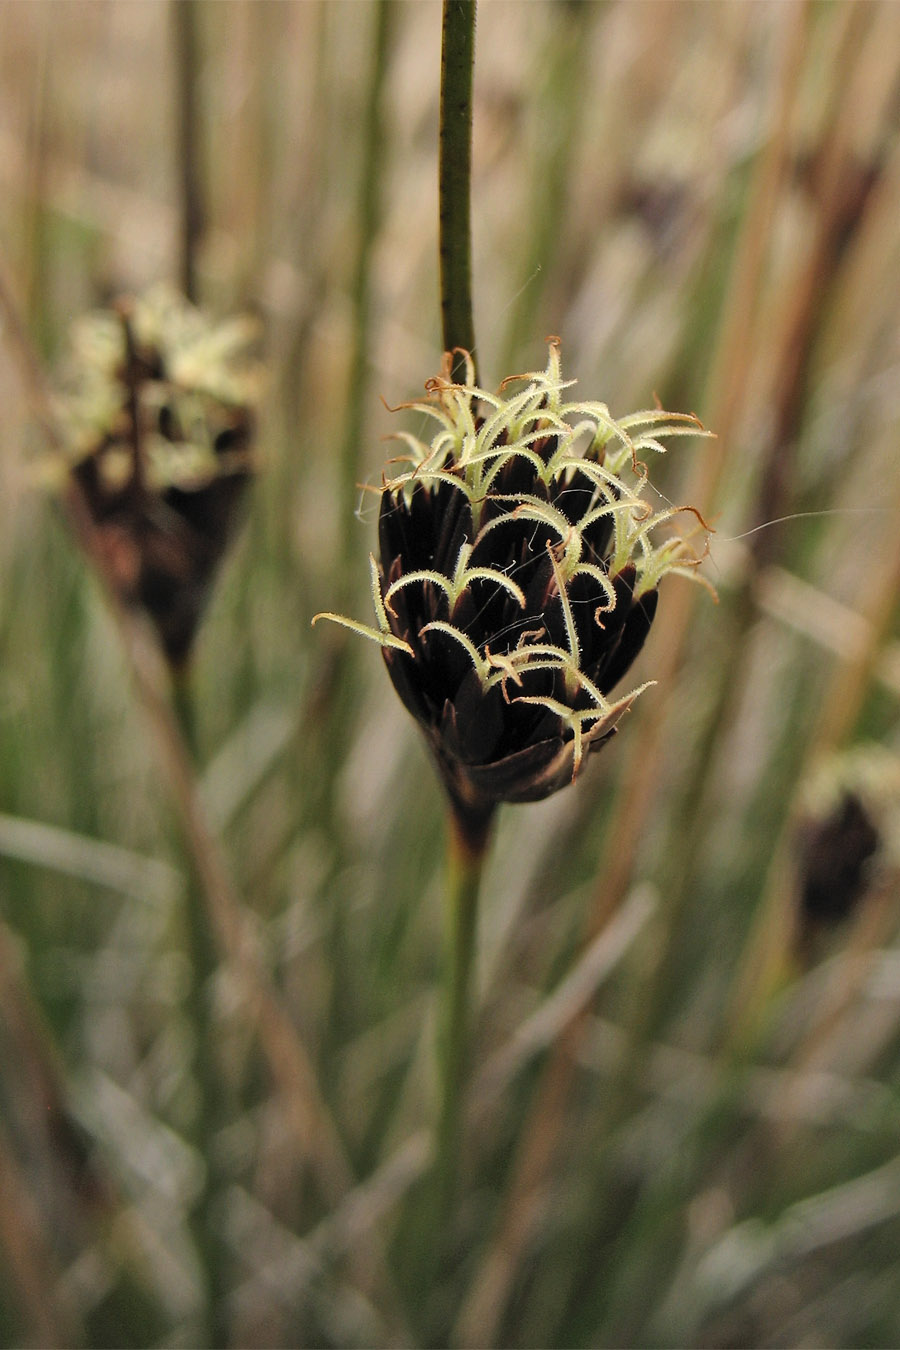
x=159, y=414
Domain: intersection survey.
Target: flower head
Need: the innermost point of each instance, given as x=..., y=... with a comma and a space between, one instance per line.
x=159, y=419
x=848, y=834
x=517, y=578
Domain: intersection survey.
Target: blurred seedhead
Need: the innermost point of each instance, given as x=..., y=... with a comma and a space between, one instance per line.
x=157, y=411
x=849, y=836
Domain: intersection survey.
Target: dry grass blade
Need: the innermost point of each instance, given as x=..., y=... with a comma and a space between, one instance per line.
x=745, y=1251
x=572, y=996
x=30, y=1266
x=76, y=855
x=217, y=1067
x=292, y=1070
x=560, y=1021
x=232, y=776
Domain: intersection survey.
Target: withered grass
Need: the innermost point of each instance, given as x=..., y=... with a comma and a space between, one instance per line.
x=681, y=1127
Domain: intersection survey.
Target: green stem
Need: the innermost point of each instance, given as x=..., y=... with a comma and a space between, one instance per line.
x=210, y=1105
x=455, y=174
x=185, y=711
x=467, y=850
x=190, y=178
x=468, y=830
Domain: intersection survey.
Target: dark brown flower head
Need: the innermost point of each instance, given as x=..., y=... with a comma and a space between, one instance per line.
x=517, y=579
x=159, y=418
x=835, y=851
x=848, y=835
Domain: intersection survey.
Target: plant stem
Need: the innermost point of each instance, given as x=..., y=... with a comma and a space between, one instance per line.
x=31, y=1274
x=455, y=173
x=210, y=1106
x=185, y=710
x=468, y=830
x=190, y=178
x=465, y=859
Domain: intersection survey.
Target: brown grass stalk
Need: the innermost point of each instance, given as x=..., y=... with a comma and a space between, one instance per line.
x=30, y=1268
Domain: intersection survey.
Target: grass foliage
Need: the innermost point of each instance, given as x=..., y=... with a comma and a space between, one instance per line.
x=681, y=1121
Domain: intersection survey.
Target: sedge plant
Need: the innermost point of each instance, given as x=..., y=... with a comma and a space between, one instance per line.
x=516, y=579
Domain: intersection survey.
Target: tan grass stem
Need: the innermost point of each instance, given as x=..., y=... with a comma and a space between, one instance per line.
x=185, y=15
x=30, y=1267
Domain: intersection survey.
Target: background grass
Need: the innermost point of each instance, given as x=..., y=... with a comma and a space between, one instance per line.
x=682, y=1129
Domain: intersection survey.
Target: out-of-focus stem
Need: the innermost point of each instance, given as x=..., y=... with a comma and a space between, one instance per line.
x=190, y=177
x=207, y=1075
x=369, y=217
x=455, y=173
x=30, y=1268
x=185, y=709
x=18, y=343
x=564, y=73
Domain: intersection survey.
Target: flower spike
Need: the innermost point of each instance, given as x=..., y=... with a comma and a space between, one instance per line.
x=159, y=412
x=517, y=576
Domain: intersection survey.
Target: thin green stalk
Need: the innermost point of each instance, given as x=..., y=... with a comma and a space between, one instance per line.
x=190, y=177
x=469, y=827
x=455, y=173
x=210, y=1104
x=467, y=850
